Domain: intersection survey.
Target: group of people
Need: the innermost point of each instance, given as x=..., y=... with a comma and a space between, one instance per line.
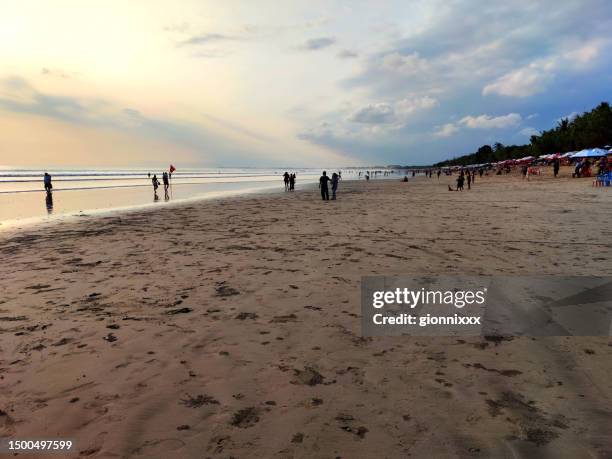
x=289, y=180
x=166, y=181
x=465, y=175
x=323, y=185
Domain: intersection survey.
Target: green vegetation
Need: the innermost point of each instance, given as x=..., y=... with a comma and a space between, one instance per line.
x=590, y=130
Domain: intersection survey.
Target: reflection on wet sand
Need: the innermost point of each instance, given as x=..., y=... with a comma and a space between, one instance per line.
x=49, y=202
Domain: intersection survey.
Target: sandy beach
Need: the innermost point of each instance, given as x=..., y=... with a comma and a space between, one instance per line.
x=231, y=327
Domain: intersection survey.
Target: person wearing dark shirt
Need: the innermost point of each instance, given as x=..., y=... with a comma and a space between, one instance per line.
x=556, y=165
x=155, y=183
x=323, y=186
x=291, y=182
x=286, y=180
x=47, y=182
x=460, y=181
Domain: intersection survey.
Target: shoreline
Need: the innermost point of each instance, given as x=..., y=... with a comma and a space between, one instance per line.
x=71, y=217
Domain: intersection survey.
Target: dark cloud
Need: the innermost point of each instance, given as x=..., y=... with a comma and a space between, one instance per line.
x=318, y=43
x=347, y=54
x=205, y=39
x=374, y=114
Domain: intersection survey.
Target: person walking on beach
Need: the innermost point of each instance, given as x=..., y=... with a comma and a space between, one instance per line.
x=556, y=165
x=286, y=180
x=291, y=182
x=155, y=183
x=47, y=183
x=460, y=180
x=166, y=182
x=334, y=183
x=323, y=186
x=469, y=180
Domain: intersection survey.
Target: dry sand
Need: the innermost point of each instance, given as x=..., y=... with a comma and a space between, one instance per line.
x=231, y=328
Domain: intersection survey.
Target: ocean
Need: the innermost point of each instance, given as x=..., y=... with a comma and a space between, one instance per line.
x=85, y=191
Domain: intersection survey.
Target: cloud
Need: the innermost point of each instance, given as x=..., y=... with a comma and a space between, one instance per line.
x=585, y=54
x=374, y=114
x=395, y=112
x=18, y=96
x=446, y=130
x=479, y=122
x=347, y=54
x=522, y=82
x=404, y=107
x=570, y=116
x=528, y=131
x=317, y=43
x=410, y=64
x=205, y=38
x=490, y=122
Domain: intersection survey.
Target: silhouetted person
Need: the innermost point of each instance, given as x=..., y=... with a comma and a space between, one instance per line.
x=323, y=186
x=155, y=183
x=469, y=180
x=286, y=180
x=556, y=165
x=292, y=182
x=47, y=182
x=460, y=180
x=166, y=182
x=334, y=183
x=439, y=172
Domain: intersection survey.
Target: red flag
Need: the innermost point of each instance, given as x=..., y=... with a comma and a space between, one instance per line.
x=172, y=168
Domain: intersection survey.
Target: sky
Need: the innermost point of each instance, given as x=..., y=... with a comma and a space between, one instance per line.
x=291, y=83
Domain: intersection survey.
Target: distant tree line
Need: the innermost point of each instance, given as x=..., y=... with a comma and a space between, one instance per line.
x=590, y=130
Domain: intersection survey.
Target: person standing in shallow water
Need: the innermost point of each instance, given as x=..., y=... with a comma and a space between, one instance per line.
x=155, y=183
x=323, y=186
x=286, y=180
x=334, y=183
x=47, y=183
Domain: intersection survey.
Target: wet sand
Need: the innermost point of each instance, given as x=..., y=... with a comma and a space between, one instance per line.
x=231, y=328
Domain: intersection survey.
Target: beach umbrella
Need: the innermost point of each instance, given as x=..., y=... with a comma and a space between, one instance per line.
x=525, y=159
x=590, y=153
